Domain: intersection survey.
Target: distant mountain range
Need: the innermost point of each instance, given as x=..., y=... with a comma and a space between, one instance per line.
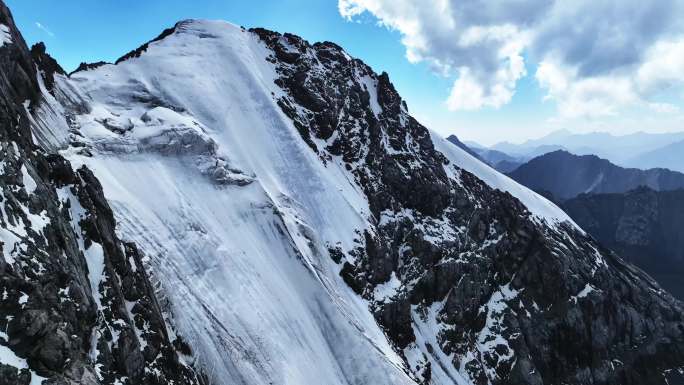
x=315, y=234
x=670, y=156
x=497, y=159
x=641, y=150
x=643, y=226
x=566, y=175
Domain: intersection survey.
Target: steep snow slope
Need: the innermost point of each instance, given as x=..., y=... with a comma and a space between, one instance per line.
x=305, y=229
x=246, y=268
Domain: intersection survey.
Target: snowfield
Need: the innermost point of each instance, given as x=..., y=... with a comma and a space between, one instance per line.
x=245, y=268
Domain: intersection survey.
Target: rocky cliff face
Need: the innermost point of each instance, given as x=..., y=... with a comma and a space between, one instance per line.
x=643, y=226
x=77, y=306
x=311, y=231
x=566, y=175
x=480, y=289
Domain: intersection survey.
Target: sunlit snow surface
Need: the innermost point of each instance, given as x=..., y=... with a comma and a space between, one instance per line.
x=5, y=36
x=244, y=266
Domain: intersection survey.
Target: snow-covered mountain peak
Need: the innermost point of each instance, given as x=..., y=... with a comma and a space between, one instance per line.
x=304, y=228
x=206, y=55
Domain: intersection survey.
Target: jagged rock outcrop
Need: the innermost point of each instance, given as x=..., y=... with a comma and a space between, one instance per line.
x=83, y=66
x=455, y=140
x=47, y=66
x=77, y=305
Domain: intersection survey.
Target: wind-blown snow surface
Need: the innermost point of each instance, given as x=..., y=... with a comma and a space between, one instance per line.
x=234, y=210
x=245, y=268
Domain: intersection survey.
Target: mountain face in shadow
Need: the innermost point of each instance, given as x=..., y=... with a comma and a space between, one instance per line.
x=643, y=226
x=670, y=156
x=566, y=175
x=631, y=211
x=286, y=221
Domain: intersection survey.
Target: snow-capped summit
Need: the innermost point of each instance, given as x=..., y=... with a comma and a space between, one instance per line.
x=301, y=227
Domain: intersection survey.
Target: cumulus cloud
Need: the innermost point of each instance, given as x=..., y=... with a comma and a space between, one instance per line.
x=579, y=96
x=591, y=57
x=663, y=66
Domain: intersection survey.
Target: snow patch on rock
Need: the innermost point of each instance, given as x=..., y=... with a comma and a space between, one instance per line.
x=5, y=35
x=29, y=182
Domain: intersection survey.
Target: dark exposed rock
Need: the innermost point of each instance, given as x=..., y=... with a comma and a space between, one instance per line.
x=462, y=277
x=9, y=375
x=315, y=81
x=395, y=316
x=88, y=66
x=642, y=225
x=47, y=66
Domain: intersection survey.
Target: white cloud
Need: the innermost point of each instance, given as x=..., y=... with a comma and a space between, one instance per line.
x=665, y=108
x=592, y=57
x=663, y=67
x=578, y=96
x=604, y=95
x=44, y=29
x=472, y=90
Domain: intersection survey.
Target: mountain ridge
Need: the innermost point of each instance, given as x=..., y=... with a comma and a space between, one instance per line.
x=667, y=156
x=500, y=161
x=454, y=139
x=566, y=175
x=624, y=150
x=627, y=210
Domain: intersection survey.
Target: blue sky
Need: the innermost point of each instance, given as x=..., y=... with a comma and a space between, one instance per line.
x=79, y=30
